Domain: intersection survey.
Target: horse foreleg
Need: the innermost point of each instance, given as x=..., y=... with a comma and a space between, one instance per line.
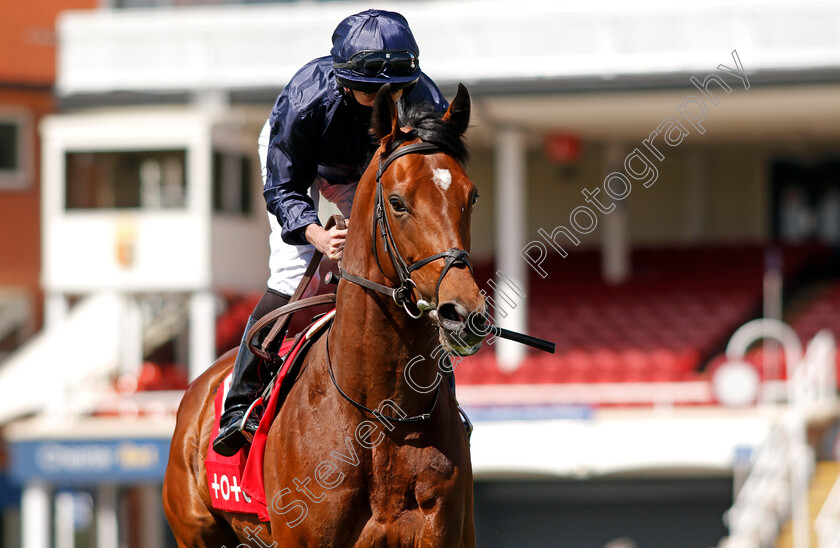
x=468, y=539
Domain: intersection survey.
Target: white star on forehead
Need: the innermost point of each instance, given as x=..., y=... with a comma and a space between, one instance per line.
x=442, y=178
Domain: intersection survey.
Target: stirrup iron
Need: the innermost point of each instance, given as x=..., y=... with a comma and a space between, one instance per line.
x=241, y=426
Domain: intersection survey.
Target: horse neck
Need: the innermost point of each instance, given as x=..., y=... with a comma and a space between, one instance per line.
x=373, y=340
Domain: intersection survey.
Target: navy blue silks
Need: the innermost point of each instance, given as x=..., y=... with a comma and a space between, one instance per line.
x=317, y=130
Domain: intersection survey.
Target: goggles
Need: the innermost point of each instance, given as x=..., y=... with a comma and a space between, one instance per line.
x=372, y=63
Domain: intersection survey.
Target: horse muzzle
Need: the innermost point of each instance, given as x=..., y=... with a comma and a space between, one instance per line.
x=461, y=331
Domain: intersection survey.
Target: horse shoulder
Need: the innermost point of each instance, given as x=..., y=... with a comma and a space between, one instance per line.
x=186, y=497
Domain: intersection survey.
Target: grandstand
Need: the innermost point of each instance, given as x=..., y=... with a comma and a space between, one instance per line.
x=664, y=324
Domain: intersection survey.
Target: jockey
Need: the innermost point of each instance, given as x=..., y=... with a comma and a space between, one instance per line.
x=317, y=139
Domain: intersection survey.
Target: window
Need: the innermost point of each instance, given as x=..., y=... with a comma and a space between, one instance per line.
x=14, y=153
x=9, y=146
x=126, y=179
x=232, y=183
x=805, y=200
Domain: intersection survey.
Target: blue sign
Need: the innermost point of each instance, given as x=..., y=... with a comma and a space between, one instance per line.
x=74, y=462
x=9, y=494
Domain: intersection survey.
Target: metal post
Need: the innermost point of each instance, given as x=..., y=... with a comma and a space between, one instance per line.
x=64, y=520
x=695, y=195
x=615, y=246
x=151, y=530
x=132, y=336
x=510, y=238
x=202, y=315
x=36, y=515
x=202, y=350
x=800, y=465
x=615, y=249
x=107, y=527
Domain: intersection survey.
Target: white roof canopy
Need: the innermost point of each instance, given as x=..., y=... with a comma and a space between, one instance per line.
x=251, y=47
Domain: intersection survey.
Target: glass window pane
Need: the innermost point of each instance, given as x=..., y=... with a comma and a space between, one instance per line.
x=9, y=146
x=232, y=183
x=246, y=173
x=126, y=179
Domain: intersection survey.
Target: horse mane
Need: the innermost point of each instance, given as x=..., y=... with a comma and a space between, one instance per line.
x=428, y=125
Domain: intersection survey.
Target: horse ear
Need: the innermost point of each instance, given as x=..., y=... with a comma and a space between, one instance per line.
x=458, y=113
x=385, y=122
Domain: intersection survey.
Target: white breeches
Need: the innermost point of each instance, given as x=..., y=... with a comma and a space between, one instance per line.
x=288, y=262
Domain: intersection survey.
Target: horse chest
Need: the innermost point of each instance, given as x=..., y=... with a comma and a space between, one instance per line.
x=411, y=496
x=410, y=479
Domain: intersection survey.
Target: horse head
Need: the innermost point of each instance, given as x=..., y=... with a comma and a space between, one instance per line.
x=421, y=200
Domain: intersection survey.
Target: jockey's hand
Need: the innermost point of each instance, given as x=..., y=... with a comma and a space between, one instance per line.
x=329, y=242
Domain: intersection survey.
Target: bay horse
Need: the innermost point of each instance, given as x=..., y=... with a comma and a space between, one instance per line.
x=368, y=448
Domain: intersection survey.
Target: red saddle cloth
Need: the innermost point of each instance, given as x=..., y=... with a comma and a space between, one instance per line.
x=236, y=483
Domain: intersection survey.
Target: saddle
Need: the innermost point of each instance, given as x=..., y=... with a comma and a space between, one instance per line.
x=236, y=482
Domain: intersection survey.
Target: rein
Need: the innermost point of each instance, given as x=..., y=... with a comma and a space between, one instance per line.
x=402, y=293
x=374, y=412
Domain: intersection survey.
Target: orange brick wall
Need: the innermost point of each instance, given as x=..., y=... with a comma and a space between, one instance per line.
x=27, y=73
x=20, y=219
x=27, y=39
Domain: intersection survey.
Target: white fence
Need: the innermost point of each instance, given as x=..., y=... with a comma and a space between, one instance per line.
x=776, y=488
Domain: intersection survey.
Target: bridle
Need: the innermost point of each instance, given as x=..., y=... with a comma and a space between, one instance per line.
x=402, y=293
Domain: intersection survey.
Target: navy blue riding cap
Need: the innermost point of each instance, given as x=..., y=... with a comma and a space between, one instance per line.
x=373, y=48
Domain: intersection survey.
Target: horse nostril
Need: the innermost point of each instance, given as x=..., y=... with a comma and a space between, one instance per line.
x=451, y=312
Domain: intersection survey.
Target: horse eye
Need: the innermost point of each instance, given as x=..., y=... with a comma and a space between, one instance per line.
x=475, y=198
x=397, y=204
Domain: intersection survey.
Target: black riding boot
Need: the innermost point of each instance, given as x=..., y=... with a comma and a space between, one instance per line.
x=250, y=376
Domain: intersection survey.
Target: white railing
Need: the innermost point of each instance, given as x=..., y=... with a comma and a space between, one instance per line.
x=776, y=488
x=764, y=501
x=164, y=317
x=84, y=351
x=814, y=382
x=828, y=520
